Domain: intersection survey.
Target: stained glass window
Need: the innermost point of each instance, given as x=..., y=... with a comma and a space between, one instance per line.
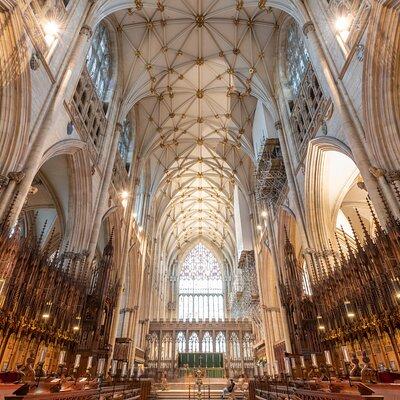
x=296, y=58
x=207, y=343
x=200, y=286
x=220, y=343
x=125, y=144
x=98, y=61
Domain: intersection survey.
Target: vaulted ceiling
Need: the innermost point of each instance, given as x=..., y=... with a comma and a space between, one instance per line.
x=193, y=70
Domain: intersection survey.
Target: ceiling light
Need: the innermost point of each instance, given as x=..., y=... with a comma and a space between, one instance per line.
x=51, y=29
x=264, y=214
x=342, y=25
x=124, y=194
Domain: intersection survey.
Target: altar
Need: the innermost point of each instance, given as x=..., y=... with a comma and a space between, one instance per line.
x=211, y=363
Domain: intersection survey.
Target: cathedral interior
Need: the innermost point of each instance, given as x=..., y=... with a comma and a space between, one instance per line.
x=193, y=191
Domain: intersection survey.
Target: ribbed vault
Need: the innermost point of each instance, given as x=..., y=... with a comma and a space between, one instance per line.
x=193, y=71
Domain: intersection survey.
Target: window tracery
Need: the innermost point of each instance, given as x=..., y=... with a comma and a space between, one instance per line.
x=235, y=346
x=349, y=18
x=220, y=343
x=247, y=346
x=200, y=286
x=98, y=61
x=207, y=343
x=180, y=343
x=125, y=143
x=166, y=347
x=307, y=103
x=194, y=343
x=297, y=58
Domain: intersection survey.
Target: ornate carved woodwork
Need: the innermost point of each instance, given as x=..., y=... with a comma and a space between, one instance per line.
x=354, y=298
x=52, y=298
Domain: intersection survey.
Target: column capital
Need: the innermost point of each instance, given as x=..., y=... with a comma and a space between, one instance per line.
x=308, y=27
x=87, y=31
x=278, y=125
x=118, y=127
x=16, y=176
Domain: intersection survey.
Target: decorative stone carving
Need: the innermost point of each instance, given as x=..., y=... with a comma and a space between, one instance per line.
x=308, y=27
x=34, y=62
x=4, y=180
x=16, y=176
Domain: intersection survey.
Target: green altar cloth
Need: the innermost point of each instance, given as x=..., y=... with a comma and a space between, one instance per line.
x=203, y=360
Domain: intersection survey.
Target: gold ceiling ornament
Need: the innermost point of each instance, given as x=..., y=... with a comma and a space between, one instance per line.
x=138, y=4
x=164, y=49
x=200, y=93
x=236, y=50
x=148, y=67
x=163, y=22
x=179, y=52
x=180, y=76
x=230, y=71
x=236, y=21
x=262, y=4
x=149, y=25
x=138, y=53
x=200, y=141
x=171, y=114
x=200, y=19
x=199, y=61
x=160, y=6
x=221, y=54
x=200, y=120
x=239, y=4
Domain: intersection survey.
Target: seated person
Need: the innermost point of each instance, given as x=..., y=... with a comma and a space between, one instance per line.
x=229, y=388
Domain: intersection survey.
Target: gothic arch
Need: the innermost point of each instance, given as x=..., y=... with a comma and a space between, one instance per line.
x=331, y=177
x=15, y=93
x=382, y=85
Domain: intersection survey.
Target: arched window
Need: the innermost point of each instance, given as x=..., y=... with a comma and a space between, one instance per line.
x=194, y=343
x=153, y=347
x=125, y=143
x=98, y=61
x=207, y=343
x=247, y=346
x=306, y=100
x=235, y=346
x=220, y=343
x=296, y=58
x=306, y=280
x=166, y=347
x=200, y=286
x=180, y=343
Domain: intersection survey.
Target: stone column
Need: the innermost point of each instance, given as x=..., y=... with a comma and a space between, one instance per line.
x=350, y=124
x=63, y=91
